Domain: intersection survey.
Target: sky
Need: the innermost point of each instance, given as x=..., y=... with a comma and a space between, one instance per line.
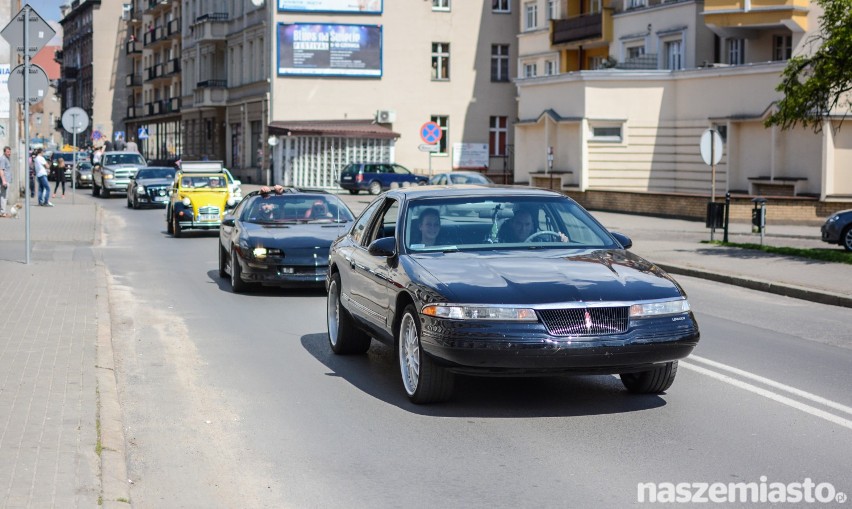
x=49, y=10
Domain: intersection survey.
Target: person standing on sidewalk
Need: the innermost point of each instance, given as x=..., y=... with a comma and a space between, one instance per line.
x=31, y=161
x=132, y=146
x=5, y=179
x=59, y=176
x=41, y=169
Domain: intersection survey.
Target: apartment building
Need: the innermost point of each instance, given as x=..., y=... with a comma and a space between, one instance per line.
x=153, y=81
x=630, y=119
x=357, y=80
x=92, y=67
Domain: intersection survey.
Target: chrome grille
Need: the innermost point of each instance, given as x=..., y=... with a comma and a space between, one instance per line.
x=586, y=321
x=154, y=192
x=209, y=210
x=124, y=173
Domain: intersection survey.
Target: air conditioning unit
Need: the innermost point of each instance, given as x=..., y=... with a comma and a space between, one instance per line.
x=385, y=116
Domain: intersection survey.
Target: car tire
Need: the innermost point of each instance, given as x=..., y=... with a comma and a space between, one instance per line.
x=423, y=379
x=343, y=337
x=846, y=238
x=223, y=262
x=375, y=187
x=237, y=283
x=654, y=381
x=353, y=191
x=169, y=228
x=176, y=231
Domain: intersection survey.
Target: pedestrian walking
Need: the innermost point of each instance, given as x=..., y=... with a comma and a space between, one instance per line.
x=132, y=146
x=32, y=174
x=5, y=179
x=41, y=169
x=59, y=176
x=119, y=143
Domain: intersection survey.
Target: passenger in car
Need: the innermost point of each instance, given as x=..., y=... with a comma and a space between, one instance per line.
x=429, y=226
x=319, y=210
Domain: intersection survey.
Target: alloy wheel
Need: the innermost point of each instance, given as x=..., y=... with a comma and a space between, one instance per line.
x=333, y=312
x=409, y=354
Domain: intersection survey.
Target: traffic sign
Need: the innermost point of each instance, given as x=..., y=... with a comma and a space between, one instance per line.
x=39, y=33
x=709, y=139
x=430, y=132
x=425, y=147
x=75, y=120
x=142, y=133
x=37, y=85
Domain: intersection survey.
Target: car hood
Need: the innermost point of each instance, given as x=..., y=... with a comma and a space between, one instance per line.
x=294, y=236
x=154, y=182
x=542, y=277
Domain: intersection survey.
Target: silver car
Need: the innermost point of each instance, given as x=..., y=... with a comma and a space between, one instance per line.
x=115, y=171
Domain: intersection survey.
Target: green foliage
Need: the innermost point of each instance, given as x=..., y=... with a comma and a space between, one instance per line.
x=837, y=255
x=816, y=85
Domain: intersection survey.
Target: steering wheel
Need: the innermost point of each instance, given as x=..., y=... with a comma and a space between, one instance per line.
x=543, y=233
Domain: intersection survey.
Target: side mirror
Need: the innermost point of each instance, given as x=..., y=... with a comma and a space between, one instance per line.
x=623, y=239
x=228, y=221
x=238, y=182
x=385, y=246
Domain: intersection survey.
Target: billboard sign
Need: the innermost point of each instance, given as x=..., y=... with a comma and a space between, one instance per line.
x=470, y=156
x=348, y=6
x=321, y=49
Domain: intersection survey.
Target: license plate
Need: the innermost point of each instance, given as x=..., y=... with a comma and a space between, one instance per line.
x=208, y=217
x=160, y=198
x=286, y=270
x=347, y=178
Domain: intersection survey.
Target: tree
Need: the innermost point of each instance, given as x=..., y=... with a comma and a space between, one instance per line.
x=817, y=86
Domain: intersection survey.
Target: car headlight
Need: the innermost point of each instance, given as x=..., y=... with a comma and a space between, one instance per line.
x=140, y=190
x=186, y=201
x=259, y=252
x=231, y=202
x=107, y=175
x=467, y=312
x=671, y=307
x=833, y=218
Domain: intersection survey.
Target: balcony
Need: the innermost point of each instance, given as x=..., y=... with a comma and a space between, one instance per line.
x=173, y=105
x=133, y=80
x=70, y=72
x=173, y=28
x=582, y=30
x=154, y=7
x=210, y=93
x=133, y=47
x=172, y=67
x=210, y=27
x=132, y=111
x=153, y=35
x=154, y=72
x=742, y=15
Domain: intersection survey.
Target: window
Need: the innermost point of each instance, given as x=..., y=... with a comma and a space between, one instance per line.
x=635, y=52
x=635, y=4
x=443, y=122
x=736, y=51
x=499, y=62
x=362, y=223
x=782, y=47
x=594, y=6
x=501, y=6
x=674, y=55
x=498, y=132
x=606, y=133
x=530, y=15
x=530, y=70
x=440, y=61
x=440, y=5
x=549, y=68
x=596, y=63
x=552, y=9
x=255, y=145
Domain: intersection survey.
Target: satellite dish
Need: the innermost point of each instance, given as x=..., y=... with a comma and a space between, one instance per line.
x=257, y=3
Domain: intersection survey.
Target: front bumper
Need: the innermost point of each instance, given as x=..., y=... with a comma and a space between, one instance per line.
x=200, y=225
x=504, y=348
x=279, y=274
x=116, y=185
x=831, y=232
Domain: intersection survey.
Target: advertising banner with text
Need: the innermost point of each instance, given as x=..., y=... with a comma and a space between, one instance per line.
x=308, y=49
x=350, y=6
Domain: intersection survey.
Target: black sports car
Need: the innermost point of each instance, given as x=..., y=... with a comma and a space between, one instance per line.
x=150, y=186
x=281, y=239
x=502, y=281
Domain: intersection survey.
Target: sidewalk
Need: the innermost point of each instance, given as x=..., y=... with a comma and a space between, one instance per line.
x=61, y=441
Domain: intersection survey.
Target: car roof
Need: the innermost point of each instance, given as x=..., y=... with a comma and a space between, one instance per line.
x=122, y=152
x=157, y=168
x=497, y=191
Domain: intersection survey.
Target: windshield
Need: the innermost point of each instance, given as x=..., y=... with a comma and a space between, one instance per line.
x=123, y=159
x=507, y=223
x=295, y=208
x=158, y=173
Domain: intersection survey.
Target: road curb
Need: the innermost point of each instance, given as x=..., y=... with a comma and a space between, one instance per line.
x=115, y=492
x=797, y=292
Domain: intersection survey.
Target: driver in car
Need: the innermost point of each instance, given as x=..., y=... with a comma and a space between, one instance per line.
x=521, y=226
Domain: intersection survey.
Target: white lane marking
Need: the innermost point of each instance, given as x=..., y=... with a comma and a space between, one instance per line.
x=773, y=383
x=822, y=414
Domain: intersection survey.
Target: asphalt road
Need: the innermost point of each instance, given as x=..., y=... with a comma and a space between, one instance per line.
x=236, y=401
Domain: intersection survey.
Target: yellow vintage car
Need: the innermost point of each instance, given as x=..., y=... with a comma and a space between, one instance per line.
x=199, y=197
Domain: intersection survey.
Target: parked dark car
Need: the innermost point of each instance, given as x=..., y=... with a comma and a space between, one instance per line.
x=68, y=159
x=83, y=174
x=502, y=281
x=281, y=239
x=376, y=177
x=454, y=178
x=837, y=229
x=150, y=186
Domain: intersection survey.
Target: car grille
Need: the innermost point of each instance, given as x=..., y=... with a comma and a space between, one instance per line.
x=209, y=210
x=155, y=192
x=124, y=173
x=586, y=321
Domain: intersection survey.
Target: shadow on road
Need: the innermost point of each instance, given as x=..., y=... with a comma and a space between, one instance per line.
x=376, y=374
x=224, y=285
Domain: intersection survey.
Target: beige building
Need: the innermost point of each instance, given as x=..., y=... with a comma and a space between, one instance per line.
x=93, y=69
x=358, y=84
x=632, y=122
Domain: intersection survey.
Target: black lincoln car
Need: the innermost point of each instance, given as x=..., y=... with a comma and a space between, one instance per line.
x=150, y=186
x=502, y=281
